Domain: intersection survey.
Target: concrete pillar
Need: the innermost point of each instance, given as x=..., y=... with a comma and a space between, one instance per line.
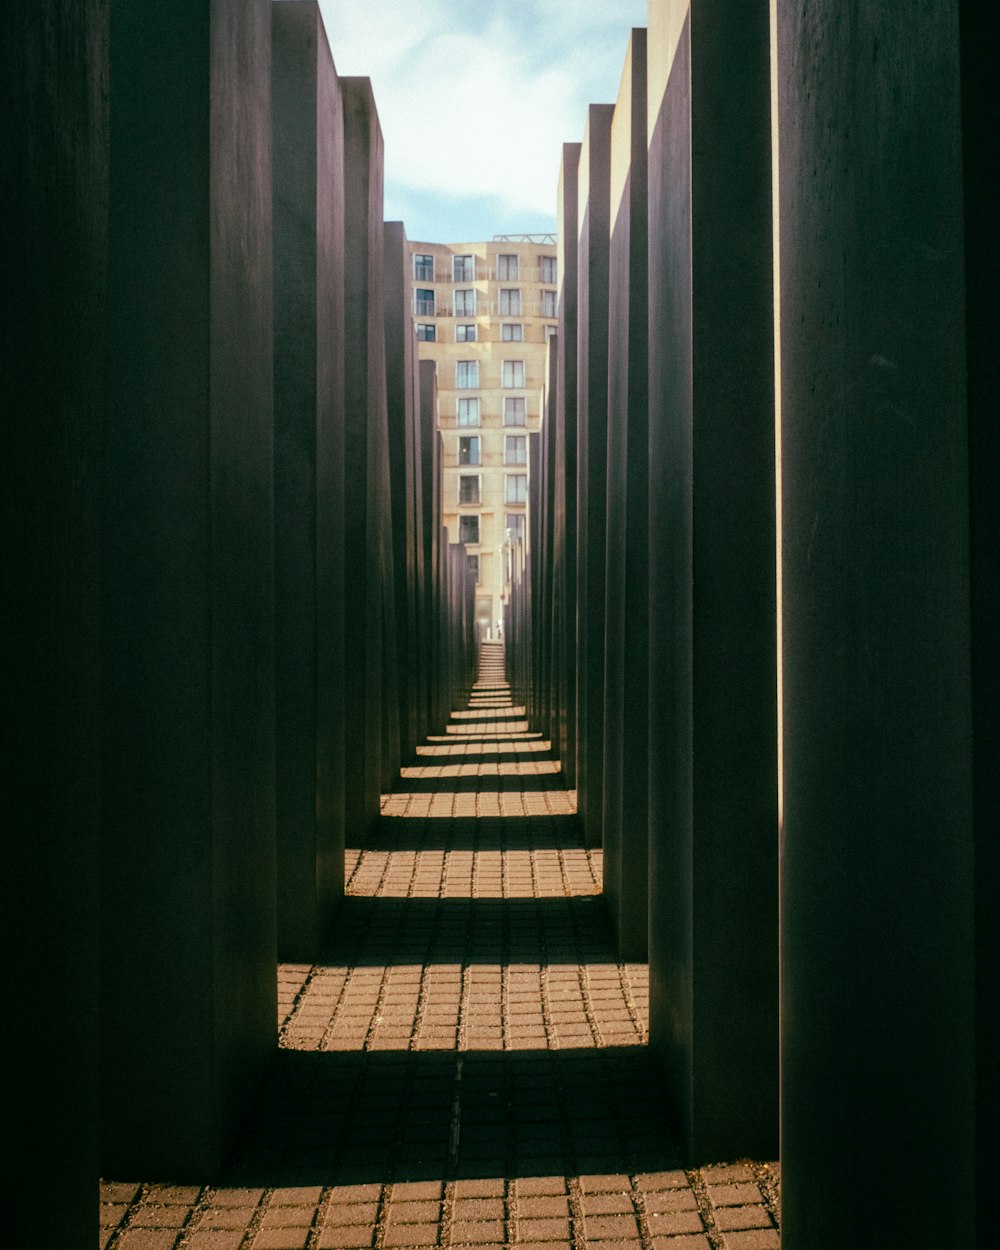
x=54, y=149
x=713, y=734
x=593, y=206
x=879, y=801
x=308, y=476
x=546, y=608
x=980, y=123
x=403, y=448
x=565, y=485
x=430, y=476
x=626, y=661
x=188, y=893
x=364, y=452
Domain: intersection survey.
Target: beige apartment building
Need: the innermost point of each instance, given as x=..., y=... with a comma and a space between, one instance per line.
x=483, y=312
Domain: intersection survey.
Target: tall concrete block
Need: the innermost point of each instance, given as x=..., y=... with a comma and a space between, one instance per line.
x=188, y=892
x=430, y=502
x=565, y=519
x=980, y=122
x=404, y=448
x=880, y=799
x=308, y=187
x=713, y=718
x=365, y=452
x=593, y=208
x=54, y=149
x=626, y=659
x=547, y=609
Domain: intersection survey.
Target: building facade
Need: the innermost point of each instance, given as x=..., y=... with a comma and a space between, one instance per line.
x=483, y=312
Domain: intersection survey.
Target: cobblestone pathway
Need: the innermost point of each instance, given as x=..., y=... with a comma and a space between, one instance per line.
x=466, y=1066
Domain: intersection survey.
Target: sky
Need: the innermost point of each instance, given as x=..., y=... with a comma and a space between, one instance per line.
x=476, y=99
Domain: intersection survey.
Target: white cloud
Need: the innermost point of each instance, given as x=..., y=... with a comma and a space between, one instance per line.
x=477, y=98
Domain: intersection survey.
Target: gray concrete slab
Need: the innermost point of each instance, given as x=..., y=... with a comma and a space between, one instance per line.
x=188, y=856
x=625, y=789
x=593, y=209
x=878, y=842
x=308, y=475
x=365, y=457
x=54, y=148
x=565, y=518
x=713, y=730
x=403, y=449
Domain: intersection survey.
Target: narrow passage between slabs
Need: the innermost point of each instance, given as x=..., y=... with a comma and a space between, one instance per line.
x=467, y=1064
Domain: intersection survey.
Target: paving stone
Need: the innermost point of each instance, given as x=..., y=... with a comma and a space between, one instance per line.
x=675, y=1222
x=530, y=1186
x=733, y=1195
x=607, y=1204
x=542, y=1229
x=352, y=1213
x=477, y=1231
x=159, y=1217
x=281, y=1239
x=477, y=1209
x=225, y=1217
x=411, y=1234
x=346, y=1237
x=742, y=1217
x=610, y=1227
x=752, y=1239
x=214, y=1241
x=556, y=1205
x=148, y=1239
x=669, y=1200
x=553, y=1079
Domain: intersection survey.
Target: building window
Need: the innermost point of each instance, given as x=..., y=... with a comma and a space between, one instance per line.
x=468, y=449
x=426, y=331
x=465, y=334
x=463, y=269
x=515, y=449
x=510, y=301
x=473, y=567
x=511, y=332
x=468, y=529
x=516, y=488
x=467, y=374
x=512, y=373
x=423, y=302
x=515, y=523
x=468, y=488
x=549, y=331
x=423, y=267
x=465, y=302
x=468, y=412
x=547, y=265
x=507, y=267
x=513, y=410
x=549, y=304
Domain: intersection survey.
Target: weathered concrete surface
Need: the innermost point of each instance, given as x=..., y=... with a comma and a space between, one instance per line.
x=548, y=611
x=54, y=145
x=365, y=456
x=878, y=847
x=404, y=450
x=565, y=519
x=980, y=125
x=188, y=863
x=593, y=207
x=712, y=764
x=308, y=476
x=626, y=637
